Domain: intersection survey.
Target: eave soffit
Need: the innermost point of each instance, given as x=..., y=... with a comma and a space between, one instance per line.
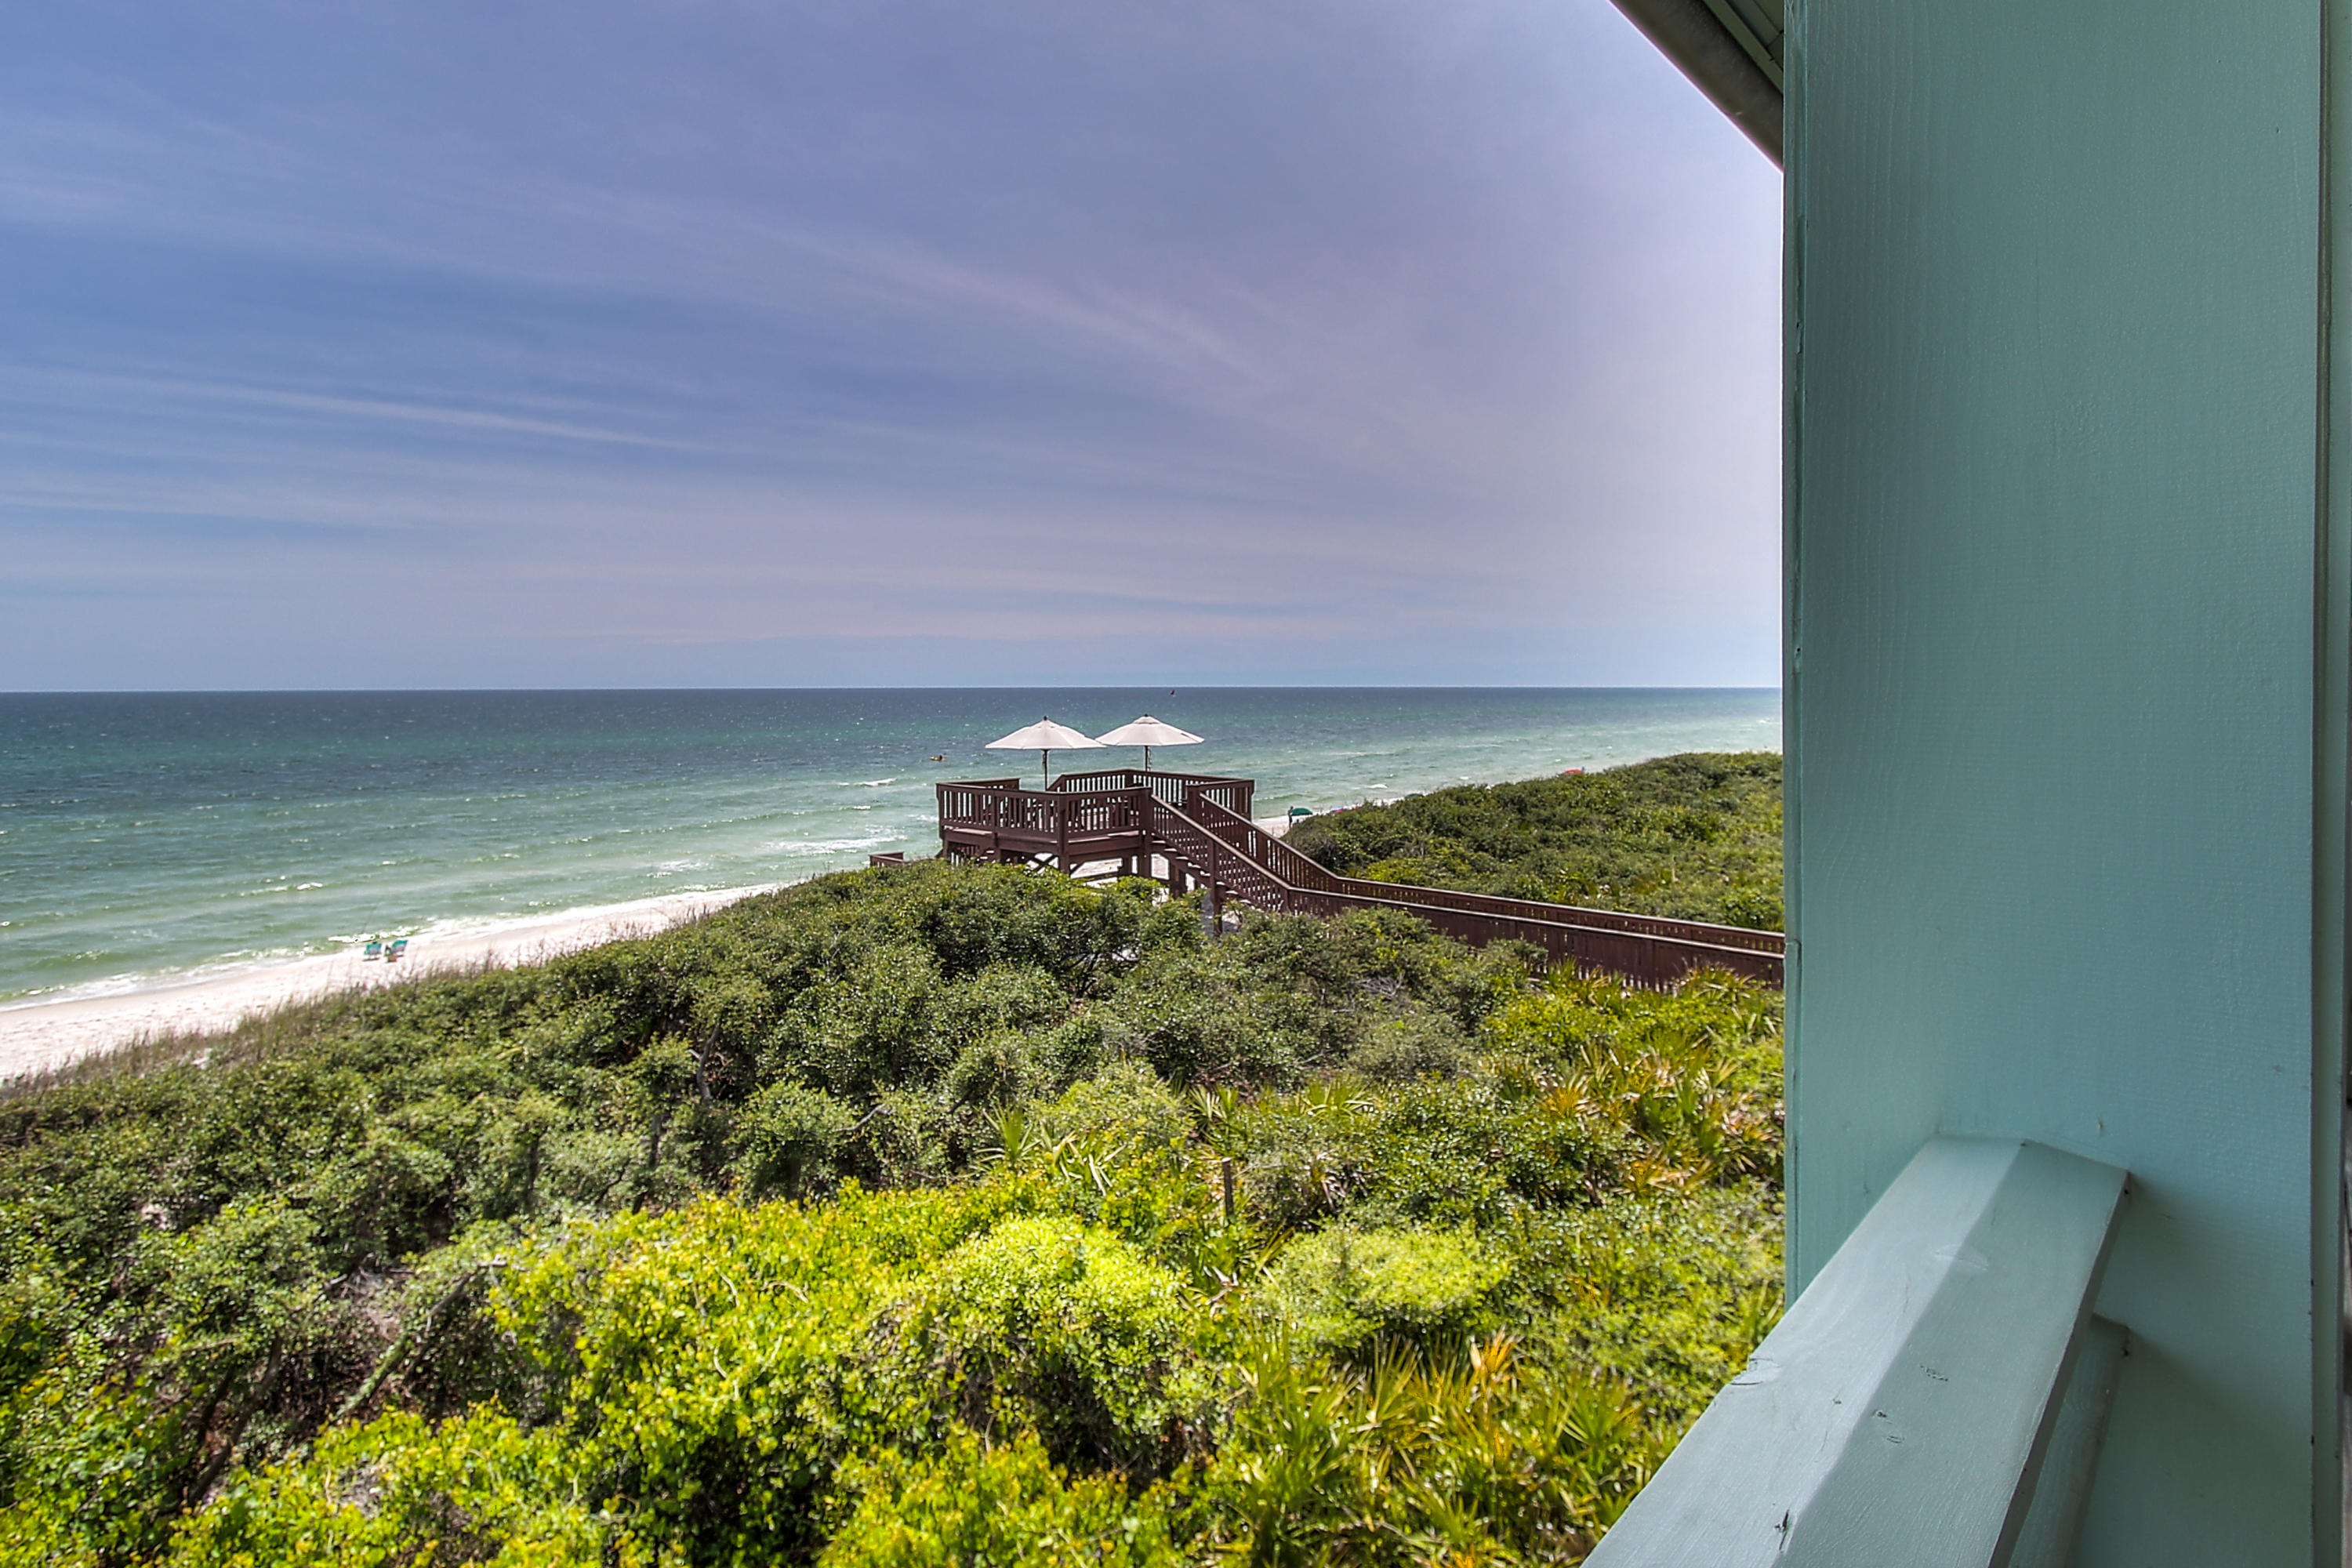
x=1730, y=50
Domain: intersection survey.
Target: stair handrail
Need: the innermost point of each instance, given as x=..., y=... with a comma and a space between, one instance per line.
x=1230, y=850
x=1649, y=958
x=1305, y=871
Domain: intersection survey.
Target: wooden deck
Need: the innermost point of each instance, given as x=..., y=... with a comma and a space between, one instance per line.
x=1193, y=829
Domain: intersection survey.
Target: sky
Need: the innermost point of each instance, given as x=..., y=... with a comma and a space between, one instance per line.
x=883, y=342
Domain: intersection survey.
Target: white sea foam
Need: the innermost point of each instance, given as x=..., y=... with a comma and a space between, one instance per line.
x=134, y=982
x=835, y=846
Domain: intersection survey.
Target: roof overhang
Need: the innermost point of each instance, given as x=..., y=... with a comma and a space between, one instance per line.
x=1730, y=48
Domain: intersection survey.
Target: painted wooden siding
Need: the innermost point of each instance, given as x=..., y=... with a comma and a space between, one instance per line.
x=2055, y=350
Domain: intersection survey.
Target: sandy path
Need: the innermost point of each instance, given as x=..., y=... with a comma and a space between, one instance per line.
x=39, y=1035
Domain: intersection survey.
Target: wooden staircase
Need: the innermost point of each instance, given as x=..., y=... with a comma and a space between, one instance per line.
x=1188, y=829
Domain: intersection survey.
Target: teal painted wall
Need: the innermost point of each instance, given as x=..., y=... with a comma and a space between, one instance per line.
x=2055, y=350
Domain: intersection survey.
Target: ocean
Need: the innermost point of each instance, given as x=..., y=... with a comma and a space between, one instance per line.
x=156, y=838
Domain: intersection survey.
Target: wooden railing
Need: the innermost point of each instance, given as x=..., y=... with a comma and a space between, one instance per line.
x=1235, y=853
x=1935, y=1398
x=974, y=800
x=1170, y=789
x=1052, y=813
x=1296, y=868
x=1217, y=864
x=1132, y=815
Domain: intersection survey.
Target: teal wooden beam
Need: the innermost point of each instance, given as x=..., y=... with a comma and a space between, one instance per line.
x=2062, y=1490
x=2069, y=537
x=1912, y=1402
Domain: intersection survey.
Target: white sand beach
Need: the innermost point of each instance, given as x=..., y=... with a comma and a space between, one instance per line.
x=39, y=1035
x=35, y=1036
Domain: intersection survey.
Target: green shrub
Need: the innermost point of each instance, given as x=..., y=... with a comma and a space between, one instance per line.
x=1341, y=1291
x=1694, y=1076
x=697, y=1361
x=90, y=1476
x=443, y=1272
x=1078, y=1047
x=1058, y=1328
x=1303, y=1161
x=1473, y=1149
x=1697, y=836
x=476, y=1489
x=1667, y=1293
x=901, y=1141
x=870, y=1031
x=971, y=1503
x=1126, y=1101
x=1402, y=1049
x=1000, y=1000
x=789, y=1136
x=996, y=1070
x=1186, y=1018
x=1488, y=1460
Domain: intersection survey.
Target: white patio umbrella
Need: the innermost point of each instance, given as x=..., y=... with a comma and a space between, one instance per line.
x=1147, y=732
x=1045, y=737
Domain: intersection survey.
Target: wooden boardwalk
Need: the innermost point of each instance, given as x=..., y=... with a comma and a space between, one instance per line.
x=1192, y=830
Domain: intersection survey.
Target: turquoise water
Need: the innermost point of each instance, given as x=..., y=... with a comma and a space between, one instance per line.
x=151, y=838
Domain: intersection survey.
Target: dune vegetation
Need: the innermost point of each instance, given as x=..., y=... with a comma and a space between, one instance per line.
x=919, y=1215
x=1696, y=836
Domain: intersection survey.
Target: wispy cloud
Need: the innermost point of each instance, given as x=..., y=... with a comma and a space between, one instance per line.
x=1339, y=337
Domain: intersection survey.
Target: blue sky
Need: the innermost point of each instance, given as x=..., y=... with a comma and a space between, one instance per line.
x=589, y=344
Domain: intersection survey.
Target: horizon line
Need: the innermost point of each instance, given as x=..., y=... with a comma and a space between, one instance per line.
x=586, y=691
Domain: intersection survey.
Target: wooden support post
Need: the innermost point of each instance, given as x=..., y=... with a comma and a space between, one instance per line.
x=1211, y=914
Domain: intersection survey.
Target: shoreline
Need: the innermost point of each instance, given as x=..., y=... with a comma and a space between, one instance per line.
x=39, y=1036
x=35, y=1036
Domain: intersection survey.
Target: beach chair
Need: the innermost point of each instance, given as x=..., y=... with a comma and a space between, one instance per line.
x=395, y=949
x=373, y=950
